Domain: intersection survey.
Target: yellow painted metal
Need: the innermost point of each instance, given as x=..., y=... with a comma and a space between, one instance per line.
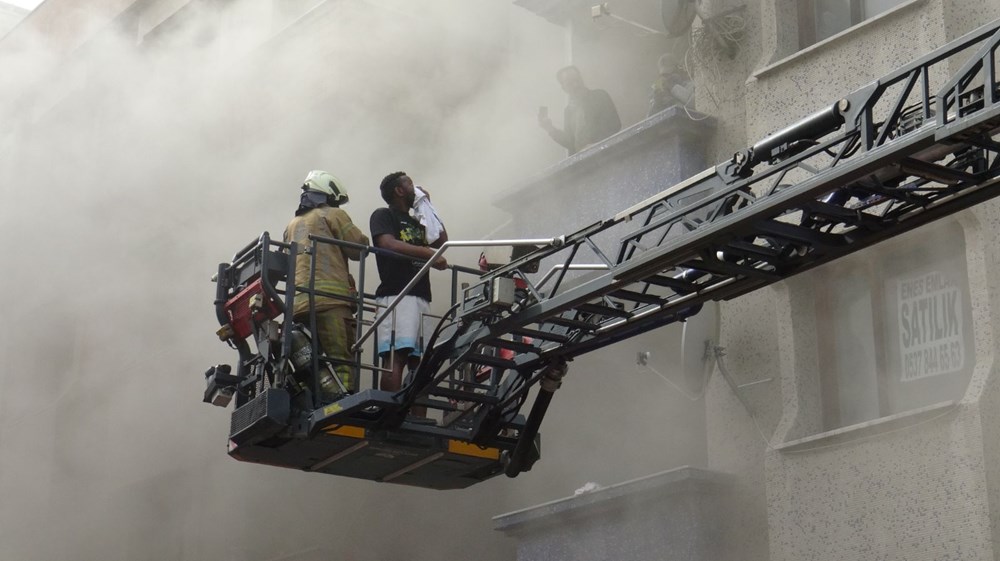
x=466, y=449
x=346, y=430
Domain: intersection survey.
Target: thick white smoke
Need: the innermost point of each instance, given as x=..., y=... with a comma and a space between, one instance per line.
x=137, y=157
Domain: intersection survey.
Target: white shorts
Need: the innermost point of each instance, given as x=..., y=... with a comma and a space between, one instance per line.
x=406, y=327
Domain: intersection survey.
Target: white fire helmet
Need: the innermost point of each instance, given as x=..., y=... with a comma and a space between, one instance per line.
x=325, y=182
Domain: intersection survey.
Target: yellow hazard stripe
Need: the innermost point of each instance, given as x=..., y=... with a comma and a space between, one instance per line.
x=466, y=449
x=346, y=430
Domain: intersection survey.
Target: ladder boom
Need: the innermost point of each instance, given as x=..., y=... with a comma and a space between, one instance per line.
x=886, y=159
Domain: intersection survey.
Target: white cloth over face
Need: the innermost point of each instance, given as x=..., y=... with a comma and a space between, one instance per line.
x=424, y=212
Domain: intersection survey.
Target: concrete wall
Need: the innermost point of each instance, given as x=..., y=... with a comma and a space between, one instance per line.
x=917, y=479
x=919, y=486
x=675, y=515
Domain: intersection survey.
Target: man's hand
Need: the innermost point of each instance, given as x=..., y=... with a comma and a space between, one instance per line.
x=440, y=264
x=543, y=118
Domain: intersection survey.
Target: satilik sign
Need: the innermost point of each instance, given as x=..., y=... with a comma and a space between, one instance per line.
x=931, y=341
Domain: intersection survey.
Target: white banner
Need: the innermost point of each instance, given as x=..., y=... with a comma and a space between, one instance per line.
x=931, y=341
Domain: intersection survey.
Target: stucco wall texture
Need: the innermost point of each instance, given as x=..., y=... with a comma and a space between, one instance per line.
x=921, y=486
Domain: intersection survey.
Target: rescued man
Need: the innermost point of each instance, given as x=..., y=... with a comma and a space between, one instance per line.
x=394, y=229
x=319, y=214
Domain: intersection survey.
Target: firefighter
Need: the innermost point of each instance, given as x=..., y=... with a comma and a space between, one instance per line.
x=319, y=214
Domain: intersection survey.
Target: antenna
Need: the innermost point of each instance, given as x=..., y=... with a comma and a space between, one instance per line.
x=701, y=353
x=601, y=10
x=678, y=15
x=698, y=343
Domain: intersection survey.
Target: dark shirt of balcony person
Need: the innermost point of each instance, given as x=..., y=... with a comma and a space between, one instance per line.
x=590, y=115
x=672, y=87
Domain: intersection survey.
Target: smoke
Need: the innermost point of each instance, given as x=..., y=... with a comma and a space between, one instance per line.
x=138, y=149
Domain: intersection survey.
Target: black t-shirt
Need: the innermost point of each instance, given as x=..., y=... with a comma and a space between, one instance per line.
x=395, y=272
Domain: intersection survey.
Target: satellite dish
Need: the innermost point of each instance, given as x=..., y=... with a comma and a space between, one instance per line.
x=678, y=15
x=698, y=341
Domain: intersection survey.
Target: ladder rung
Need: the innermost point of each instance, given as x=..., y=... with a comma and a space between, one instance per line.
x=517, y=346
x=603, y=310
x=682, y=287
x=748, y=249
x=488, y=360
x=463, y=395
x=800, y=234
x=935, y=172
x=573, y=323
x=467, y=384
x=537, y=334
x=731, y=269
x=834, y=212
x=636, y=297
x=853, y=216
x=454, y=416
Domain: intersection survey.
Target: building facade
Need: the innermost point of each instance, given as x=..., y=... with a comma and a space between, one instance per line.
x=860, y=422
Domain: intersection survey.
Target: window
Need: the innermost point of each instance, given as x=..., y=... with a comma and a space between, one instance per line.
x=850, y=381
x=821, y=19
x=895, y=327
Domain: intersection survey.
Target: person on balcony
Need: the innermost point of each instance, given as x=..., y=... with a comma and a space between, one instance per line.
x=590, y=115
x=672, y=87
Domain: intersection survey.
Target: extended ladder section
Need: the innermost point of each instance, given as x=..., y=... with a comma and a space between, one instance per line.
x=915, y=146
x=905, y=150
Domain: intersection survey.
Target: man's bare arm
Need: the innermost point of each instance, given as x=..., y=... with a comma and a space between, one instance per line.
x=387, y=241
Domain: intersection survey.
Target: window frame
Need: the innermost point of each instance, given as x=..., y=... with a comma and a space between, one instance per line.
x=826, y=353
x=807, y=19
x=871, y=267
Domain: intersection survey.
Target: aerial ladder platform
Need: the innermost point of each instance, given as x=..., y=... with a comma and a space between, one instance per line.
x=912, y=147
